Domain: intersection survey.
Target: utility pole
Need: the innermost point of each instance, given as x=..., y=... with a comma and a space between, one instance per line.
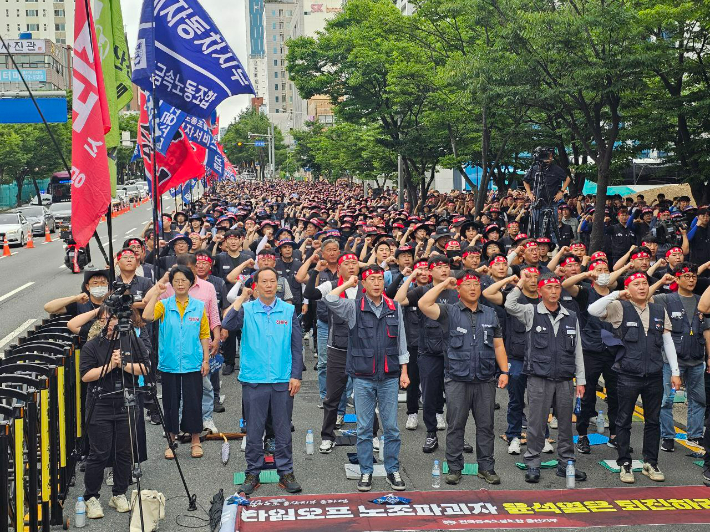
x=400, y=182
x=273, y=150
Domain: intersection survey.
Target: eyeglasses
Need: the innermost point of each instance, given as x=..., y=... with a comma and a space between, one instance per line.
x=181, y=281
x=689, y=277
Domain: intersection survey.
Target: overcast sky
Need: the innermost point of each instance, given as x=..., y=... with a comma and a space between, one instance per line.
x=229, y=15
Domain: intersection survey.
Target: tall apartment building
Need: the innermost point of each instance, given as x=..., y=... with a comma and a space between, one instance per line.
x=45, y=19
x=256, y=51
x=279, y=100
x=405, y=6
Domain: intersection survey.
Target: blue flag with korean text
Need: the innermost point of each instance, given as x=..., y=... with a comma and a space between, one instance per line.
x=184, y=56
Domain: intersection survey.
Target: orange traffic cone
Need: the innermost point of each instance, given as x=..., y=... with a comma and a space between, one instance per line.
x=47, y=238
x=75, y=265
x=6, y=248
x=103, y=219
x=30, y=241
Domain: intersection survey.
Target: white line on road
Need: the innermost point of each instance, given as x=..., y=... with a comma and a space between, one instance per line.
x=131, y=230
x=13, y=253
x=16, y=332
x=62, y=266
x=13, y=292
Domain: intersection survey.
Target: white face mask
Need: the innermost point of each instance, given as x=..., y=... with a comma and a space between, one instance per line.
x=603, y=279
x=98, y=291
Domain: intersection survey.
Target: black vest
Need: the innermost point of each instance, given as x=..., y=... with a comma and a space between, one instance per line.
x=516, y=337
x=687, y=332
x=321, y=308
x=621, y=240
x=288, y=270
x=470, y=356
x=431, y=336
x=338, y=331
x=570, y=303
x=641, y=355
x=373, y=351
x=592, y=326
x=550, y=355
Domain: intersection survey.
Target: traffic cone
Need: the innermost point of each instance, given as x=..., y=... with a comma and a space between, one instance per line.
x=30, y=241
x=75, y=267
x=103, y=219
x=47, y=238
x=6, y=248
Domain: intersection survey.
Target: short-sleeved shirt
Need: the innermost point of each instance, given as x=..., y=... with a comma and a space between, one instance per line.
x=204, y=322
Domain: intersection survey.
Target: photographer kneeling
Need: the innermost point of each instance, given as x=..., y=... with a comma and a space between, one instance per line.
x=107, y=416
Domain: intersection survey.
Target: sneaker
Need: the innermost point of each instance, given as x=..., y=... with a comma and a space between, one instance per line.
x=270, y=446
x=288, y=482
x=467, y=447
x=339, y=420
x=706, y=477
x=351, y=402
x=209, y=426
x=579, y=476
x=326, y=446
x=496, y=406
x=489, y=476
x=547, y=448
x=514, y=446
x=532, y=475
x=93, y=509
x=583, y=445
x=375, y=444
x=453, y=477
x=553, y=422
x=320, y=403
x=412, y=422
x=218, y=408
x=227, y=369
x=395, y=481
x=652, y=472
x=250, y=485
x=244, y=444
x=154, y=418
x=365, y=483
x=82, y=465
x=431, y=443
x=612, y=443
x=120, y=503
x=440, y=422
x=695, y=442
x=668, y=445
x=109, y=477
x=626, y=475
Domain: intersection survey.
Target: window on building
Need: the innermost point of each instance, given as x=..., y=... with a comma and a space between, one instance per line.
x=273, y=25
x=274, y=37
x=276, y=75
x=44, y=12
x=277, y=99
x=58, y=12
x=276, y=86
x=33, y=27
x=8, y=28
x=277, y=110
x=283, y=87
x=32, y=12
x=289, y=13
x=18, y=28
x=60, y=27
x=45, y=27
x=7, y=14
x=281, y=12
x=276, y=62
x=273, y=12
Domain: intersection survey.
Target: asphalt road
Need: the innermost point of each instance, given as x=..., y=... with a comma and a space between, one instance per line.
x=33, y=276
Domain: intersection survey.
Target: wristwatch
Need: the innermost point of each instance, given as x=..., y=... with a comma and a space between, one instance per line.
x=505, y=373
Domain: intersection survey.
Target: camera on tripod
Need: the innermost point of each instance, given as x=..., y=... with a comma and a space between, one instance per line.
x=542, y=154
x=120, y=304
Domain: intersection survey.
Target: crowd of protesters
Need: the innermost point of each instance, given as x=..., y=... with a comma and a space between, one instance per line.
x=453, y=307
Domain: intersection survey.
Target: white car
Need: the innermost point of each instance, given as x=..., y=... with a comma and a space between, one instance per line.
x=46, y=200
x=15, y=227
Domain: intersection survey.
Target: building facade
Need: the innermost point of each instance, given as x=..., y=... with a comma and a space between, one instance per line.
x=45, y=65
x=53, y=20
x=256, y=51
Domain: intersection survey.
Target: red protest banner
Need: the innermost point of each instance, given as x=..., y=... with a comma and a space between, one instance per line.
x=481, y=509
x=90, y=181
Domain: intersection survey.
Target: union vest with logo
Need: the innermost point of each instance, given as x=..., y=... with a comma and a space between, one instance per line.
x=431, y=335
x=516, y=336
x=687, y=332
x=592, y=327
x=373, y=351
x=550, y=355
x=338, y=331
x=641, y=355
x=470, y=356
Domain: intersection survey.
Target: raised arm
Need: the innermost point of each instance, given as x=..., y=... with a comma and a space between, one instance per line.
x=494, y=292
x=427, y=303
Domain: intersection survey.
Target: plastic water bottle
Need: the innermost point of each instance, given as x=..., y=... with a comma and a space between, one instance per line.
x=570, y=474
x=672, y=395
x=382, y=449
x=436, y=475
x=600, y=422
x=310, y=448
x=80, y=513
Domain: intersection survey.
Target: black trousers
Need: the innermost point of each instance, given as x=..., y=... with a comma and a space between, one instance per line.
x=107, y=436
x=431, y=374
x=595, y=365
x=650, y=389
x=229, y=348
x=413, y=392
x=188, y=387
x=706, y=438
x=336, y=380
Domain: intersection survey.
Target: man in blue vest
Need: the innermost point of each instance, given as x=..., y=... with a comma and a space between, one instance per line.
x=553, y=358
x=271, y=365
x=377, y=360
x=474, y=355
x=644, y=330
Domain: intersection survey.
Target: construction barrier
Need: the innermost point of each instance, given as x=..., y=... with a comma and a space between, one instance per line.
x=40, y=426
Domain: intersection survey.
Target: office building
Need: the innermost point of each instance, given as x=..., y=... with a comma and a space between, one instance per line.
x=53, y=20
x=256, y=54
x=45, y=65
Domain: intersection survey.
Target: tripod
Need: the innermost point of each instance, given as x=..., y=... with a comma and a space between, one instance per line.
x=542, y=216
x=125, y=339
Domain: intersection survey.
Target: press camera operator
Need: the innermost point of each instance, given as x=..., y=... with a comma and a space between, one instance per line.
x=545, y=184
x=107, y=374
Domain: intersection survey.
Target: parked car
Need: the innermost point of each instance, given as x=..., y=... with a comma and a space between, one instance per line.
x=40, y=217
x=15, y=227
x=46, y=200
x=61, y=213
x=134, y=193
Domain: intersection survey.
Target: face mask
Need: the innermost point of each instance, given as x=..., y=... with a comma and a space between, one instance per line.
x=603, y=279
x=98, y=291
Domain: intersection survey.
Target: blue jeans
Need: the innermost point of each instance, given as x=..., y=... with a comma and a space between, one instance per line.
x=694, y=379
x=368, y=395
x=517, y=382
x=322, y=356
x=342, y=407
x=207, y=399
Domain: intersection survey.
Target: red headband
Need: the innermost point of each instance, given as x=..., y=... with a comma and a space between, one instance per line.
x=451, y=243
x=596, y=263
x=499, y=258
x=437, y=263
x=467, y=277
x=421, y=264
x=531, y=244
x=470, y=252
x=633, y=277
x=640, y=255
x=673, y=250
x=204, y=258
x=578, y=245
x=569, y=260
x=683, y=270
x=135, y=242
x=348, y=256
x=267, y=256
x=532, y=269
x=369, y=272
x=598, y=255
x=545, y=282
x=123, y=252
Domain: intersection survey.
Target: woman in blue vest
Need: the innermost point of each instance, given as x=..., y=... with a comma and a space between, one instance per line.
x=183, y=356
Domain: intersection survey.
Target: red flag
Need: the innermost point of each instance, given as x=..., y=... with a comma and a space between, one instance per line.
x=90, y=180
x=179, y=164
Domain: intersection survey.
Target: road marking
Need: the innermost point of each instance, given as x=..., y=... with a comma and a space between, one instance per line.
x=131, y=230
x=13, y=253
x=62, y=266
x=16, y=332
x=13, y=292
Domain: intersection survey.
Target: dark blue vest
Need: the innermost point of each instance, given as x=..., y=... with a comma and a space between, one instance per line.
x=431, y=336
x=470, y=356
x=689, y=347
x=516, y=337
x=550, y=355
x=641, y=355
x=373, y=351
x=592, y=326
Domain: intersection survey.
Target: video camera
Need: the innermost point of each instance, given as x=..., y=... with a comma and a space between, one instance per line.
x=541, y=154
x=120, y=304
